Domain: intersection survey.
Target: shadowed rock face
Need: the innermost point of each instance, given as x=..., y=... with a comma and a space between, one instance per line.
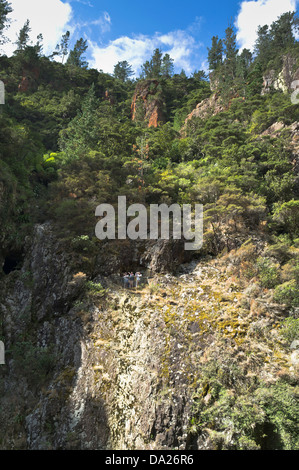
x=147, y=103
x=29, y=80
x=119, y=370
x=98, y=382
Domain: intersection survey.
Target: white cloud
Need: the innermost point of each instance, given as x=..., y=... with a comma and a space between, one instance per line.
x=51, y=18
x=258, y=13
x=136, y=50
x=103, y=22
x=83, y=2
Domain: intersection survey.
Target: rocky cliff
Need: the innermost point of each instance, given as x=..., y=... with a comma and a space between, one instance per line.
x=147, y=103
x=90, y=365
x=285, y=78
x=206, y=108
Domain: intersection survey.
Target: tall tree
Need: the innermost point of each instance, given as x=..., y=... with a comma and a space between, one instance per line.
x=167, y=67
x=76, y=55
x=255, y=80
x=5, y=9
x=156, y=63
x=146, y=69
x=123, y=71
x=81, y=133
x=231, y=53
x=39, y=45
x=158, y=66
x=282, y=31
x=215, y=54
x=274, y=40
x=23, y=37
x=63, y=47
x=262, y=46
x=244, y=61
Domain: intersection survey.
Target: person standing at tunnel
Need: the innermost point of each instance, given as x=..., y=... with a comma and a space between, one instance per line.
x=132, y=279
x=126, y=280
x=138, y=277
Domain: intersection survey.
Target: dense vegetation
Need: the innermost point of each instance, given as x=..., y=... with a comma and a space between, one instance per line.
x=68, y=143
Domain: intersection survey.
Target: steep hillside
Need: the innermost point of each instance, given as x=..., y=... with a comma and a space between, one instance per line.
x=160, y=367
x=205, y=353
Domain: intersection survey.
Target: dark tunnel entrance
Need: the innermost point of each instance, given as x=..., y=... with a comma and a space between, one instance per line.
x=12, y=262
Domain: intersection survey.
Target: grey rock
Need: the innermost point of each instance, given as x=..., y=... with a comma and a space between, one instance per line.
x=295, y=344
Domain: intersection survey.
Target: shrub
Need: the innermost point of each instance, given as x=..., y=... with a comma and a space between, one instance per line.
x=95, y=288
x=33, y=362
x=290, y=329
x=268, y=272
x=287, y=293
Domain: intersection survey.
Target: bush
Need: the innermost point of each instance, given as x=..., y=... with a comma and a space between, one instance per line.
x=33, y=362
x=290, y=329
x=268, y=272
x=95, y=288
x=287, y=293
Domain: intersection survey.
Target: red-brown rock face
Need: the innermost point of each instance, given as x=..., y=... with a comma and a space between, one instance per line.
x=29, y=80
x=147, y=104
x=208, y=107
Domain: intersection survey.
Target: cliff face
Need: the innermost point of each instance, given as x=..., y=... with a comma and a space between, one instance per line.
x=285, y=78
x=147, y=103
x=119, y=369
x=86, y=367
x=206, y=108
x=29, y=80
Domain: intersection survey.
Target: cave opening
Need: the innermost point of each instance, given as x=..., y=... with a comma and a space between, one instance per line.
x=12, y=262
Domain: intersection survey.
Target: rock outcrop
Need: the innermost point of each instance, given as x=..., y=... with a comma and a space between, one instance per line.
x=88, y=368
x=147, y=103
x=29, y=80
x=206, y=108
x=284, y=80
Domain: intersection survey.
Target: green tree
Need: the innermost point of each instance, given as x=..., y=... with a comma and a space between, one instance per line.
x=5, y=9
x=75, y=57
x=244, y=61
x=255, y=80
x=23, y=37
x=81, y=134
x=215, y=54
x=287, y=215
x=39, y=44
x=156, y=63
x=167, y=67
x=123, y=71
x=274, y=40
x=62, y=47
x=231, y=52
x=146, y=69
x=262, y=46
x=155, y=67
x=282, y=32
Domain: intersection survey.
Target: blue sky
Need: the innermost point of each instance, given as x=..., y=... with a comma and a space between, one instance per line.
x=130, y=30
